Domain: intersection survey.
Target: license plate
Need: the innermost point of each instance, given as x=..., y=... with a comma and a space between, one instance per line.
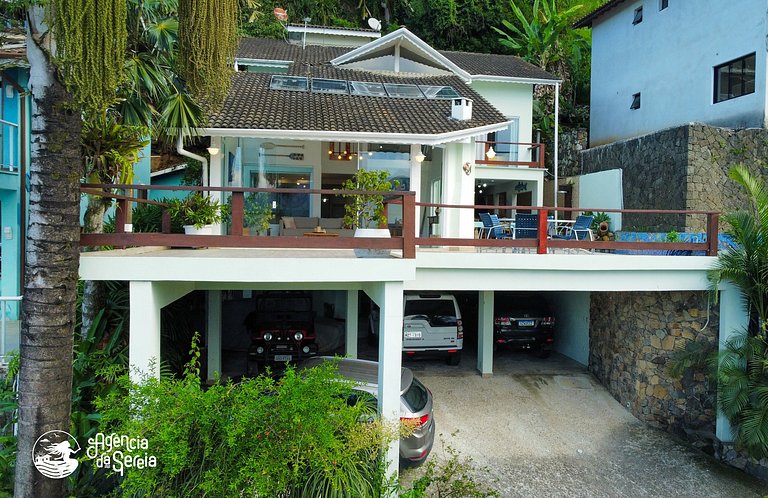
x=413, y=334
x=283, y=357
x=526, y=323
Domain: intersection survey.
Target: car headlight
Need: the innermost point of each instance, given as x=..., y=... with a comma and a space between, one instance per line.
x=306, y=349
x=298, y=336
x=268, y=336
x=260, y=350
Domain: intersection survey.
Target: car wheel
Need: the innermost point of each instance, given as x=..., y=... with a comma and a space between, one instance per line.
x=454, y=359
x=543, y=353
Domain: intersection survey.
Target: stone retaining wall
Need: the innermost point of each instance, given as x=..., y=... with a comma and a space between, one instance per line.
x=680, y=168
x=633, y=335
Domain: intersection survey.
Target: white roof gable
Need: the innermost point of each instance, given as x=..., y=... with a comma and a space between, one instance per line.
x=401, y=43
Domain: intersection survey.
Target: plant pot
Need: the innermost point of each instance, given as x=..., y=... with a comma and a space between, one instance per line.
x=378, y=233
x=204, y=230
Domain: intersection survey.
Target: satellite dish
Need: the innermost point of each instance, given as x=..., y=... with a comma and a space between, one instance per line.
x=280, y=14
x=374, y=23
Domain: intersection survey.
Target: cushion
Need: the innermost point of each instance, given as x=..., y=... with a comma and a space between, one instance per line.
x=302, y=222
x=289, y=222
x=332, y=222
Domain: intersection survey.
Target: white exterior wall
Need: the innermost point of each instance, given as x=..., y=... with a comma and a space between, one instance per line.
x=512, y=100
x=669, y=58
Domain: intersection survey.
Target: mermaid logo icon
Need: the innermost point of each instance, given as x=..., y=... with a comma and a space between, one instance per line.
x=52, y=454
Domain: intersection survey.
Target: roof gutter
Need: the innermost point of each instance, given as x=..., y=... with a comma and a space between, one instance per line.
x=356, y=136
x=183, y=152
x=514, y=79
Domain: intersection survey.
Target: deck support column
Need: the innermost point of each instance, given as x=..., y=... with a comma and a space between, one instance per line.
x=146, y=301
x=352, y=332
x=485, y=333
x=733, y=318
x=213, y=333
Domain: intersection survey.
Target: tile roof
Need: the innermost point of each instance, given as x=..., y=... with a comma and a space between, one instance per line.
x=587, y=20
x=497, y=65
x=252, y=105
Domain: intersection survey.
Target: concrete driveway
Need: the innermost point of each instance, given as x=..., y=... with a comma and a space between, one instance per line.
x=548, y=428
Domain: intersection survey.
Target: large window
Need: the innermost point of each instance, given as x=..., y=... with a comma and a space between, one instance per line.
x=735, y=78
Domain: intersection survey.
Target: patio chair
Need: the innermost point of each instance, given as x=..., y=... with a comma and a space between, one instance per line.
x=579, y=231
x=526, y=226
x=492, y=227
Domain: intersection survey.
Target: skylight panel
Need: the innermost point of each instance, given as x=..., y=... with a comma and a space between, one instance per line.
x=439, y=92
x=296, y=83
x=320, y=85
x=403, y=91
x=367, y=89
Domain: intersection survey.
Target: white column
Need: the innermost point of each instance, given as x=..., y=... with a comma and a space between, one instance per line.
x=458, y=188
x=213, y=334
x=215, y=179
x=352, y=326
x=733, y=317
x=485, y=333
x=415, y=179
x=144, y=342
x=390, y=362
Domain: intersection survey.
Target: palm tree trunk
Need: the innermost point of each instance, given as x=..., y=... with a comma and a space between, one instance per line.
x=51, y=270
x=94, y=294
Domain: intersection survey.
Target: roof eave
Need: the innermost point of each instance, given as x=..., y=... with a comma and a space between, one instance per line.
x=514, y=79
x=356, y=136
x=586, y=21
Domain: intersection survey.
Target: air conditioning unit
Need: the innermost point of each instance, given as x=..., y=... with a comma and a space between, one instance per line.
x=461, y=109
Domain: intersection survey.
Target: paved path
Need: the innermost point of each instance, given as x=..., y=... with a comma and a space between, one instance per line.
x=548, y=428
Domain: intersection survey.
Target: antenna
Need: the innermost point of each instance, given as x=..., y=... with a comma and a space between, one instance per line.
x=304, y=41
x=280, y=14
x=374, y=23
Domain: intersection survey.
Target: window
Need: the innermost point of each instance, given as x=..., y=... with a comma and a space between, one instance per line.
x=635, y=101
x=735, y=78
x=638, y=15
x=663, y=4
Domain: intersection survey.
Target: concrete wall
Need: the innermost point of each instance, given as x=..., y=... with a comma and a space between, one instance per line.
x=512, y=100
x=669, y=58
x=633, y=336
x=571, y=324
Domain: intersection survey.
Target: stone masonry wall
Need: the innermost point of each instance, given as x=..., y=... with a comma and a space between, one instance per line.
x=633, y=335
x=681, y=168
x=654, y=175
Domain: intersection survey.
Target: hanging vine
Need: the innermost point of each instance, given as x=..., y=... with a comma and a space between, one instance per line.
x=91, y=37
x=207, y=46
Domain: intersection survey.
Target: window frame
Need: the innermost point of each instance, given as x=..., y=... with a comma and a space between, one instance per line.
x=663, y=4
x=734, y=76
x=636, y=101
x=638, y=16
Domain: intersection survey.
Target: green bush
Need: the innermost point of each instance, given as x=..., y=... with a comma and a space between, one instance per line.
x=296, y=436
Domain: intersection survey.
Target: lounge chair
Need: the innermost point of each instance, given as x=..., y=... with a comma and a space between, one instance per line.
x=526, y=226
x=492, y=227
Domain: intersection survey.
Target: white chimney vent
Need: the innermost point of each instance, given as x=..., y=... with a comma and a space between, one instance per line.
x=461, y=109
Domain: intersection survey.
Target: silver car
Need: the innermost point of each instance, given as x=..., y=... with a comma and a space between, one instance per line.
x=415, y=403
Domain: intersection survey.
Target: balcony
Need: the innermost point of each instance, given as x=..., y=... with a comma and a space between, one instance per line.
x=528, y=155
x=404, y=241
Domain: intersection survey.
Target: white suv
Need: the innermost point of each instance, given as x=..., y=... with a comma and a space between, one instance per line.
x=431, y=326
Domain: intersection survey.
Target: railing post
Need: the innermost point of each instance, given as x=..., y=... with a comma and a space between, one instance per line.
x=541, y=233
x=713, y=220
x=166, y=221
x=409, y=225
x=121, y=215
x=238, y=208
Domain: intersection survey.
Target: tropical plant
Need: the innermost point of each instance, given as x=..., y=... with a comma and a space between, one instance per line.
x=9, y=404
x=257, y=211
x=196, y=209
x=365, y=210
x=742, y=378
x=305, y=434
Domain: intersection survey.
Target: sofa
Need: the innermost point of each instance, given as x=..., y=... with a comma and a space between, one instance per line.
x=297, y=225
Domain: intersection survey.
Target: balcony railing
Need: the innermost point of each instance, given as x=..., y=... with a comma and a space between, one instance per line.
x=509, y=154
x=404, y=231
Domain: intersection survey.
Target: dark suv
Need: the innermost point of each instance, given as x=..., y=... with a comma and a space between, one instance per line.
x=281, y=329
x=523, y=321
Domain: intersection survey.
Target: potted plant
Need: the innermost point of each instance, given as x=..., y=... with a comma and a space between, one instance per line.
x=257, y=212
x=197, y=213
x=365, y=213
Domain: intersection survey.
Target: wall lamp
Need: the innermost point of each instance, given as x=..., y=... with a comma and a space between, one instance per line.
x=213, y=151
x=467, y=169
